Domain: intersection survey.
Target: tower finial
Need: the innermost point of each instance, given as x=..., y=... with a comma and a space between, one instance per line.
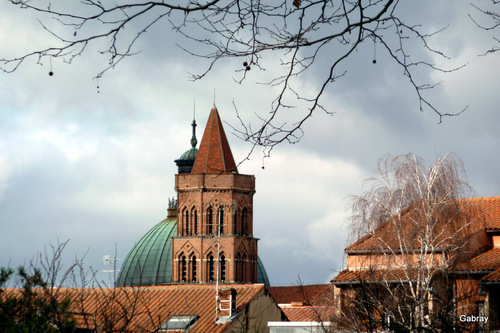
x=193, y=124
x=214, y=100
x=194, y=109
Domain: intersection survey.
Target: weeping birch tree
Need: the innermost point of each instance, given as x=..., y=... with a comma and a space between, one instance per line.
x=411, y=226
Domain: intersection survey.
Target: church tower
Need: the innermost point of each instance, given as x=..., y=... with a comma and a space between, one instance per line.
x=214, y=215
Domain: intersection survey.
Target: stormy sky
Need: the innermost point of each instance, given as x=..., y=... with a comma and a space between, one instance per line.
x=93, y=161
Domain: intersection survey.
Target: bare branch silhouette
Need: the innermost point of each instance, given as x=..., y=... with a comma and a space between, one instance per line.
x=309, y=37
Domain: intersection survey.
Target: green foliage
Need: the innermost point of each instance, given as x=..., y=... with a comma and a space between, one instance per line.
x=34, y=307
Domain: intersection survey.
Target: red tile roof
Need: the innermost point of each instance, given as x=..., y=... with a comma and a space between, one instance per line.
x=487, y=261
x=309, y=313
x=482, y=213
x=315, y=294
x=351, y=276
x=148, y=307
x=493, y=277
x=214, y=155
x=305, y=303
x=491, y=208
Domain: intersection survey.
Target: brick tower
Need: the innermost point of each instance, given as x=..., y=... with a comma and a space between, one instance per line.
x=214, y=222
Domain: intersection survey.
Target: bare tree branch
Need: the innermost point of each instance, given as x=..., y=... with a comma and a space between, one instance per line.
x=309, y=37
x=493, y=18
x=412, y=227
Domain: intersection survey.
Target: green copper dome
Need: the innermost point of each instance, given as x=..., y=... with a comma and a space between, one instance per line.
x=149, y=263
x=261, y=273
x=189, y=155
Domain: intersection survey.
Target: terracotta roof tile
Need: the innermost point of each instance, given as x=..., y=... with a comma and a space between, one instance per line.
x=482, y=213
x=305, y=303
x=315, y=294
x=491, y=208
x=214, y=155
x=487, y=261
x=356, y=276
x=309, y=313
x=493, y=277
x=152, y=306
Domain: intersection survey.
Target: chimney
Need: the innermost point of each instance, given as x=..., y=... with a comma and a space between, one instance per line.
x=227, y=302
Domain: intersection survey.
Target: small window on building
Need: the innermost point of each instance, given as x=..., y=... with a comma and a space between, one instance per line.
x=243, y=222
x=235, y=223
x=178, y=323
x=195, y=222
x=221, y=221
x=244, y=267
x=211, y=269
x=183, y=269
x=210, y=221
x=194, y=271
x=187, y=223
x=223, y=268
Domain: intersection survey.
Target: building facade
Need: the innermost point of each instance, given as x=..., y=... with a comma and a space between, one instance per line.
x=392, y=282
x=207, y=236
x=214, y=239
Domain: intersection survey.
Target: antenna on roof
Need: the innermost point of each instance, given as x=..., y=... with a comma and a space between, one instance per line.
x=107, y=261
x=214, y=99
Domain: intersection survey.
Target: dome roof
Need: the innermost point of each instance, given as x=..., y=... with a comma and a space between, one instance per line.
x=186, y=161
x=189, y=155
x=149, y=263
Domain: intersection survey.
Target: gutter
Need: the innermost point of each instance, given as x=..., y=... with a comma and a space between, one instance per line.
x=365, y=281
x=472, y=272
x=390, y=251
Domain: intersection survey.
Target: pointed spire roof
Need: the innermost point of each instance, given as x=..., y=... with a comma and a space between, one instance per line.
x=214, y=155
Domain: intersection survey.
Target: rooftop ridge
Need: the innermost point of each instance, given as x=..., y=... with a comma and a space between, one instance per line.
x=483, y=198
x=188, y=286
x=486, y=217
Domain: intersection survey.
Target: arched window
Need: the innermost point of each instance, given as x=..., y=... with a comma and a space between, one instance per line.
x=243, y=226
x=244, y=268
x=195, y=222
x=186, y=219
x=235, y=223
x=193, y=269
x=210, y=214
x=221, y=221
x=183, y=269
x=239, y=268
x=211, y=268
x=223, y=268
